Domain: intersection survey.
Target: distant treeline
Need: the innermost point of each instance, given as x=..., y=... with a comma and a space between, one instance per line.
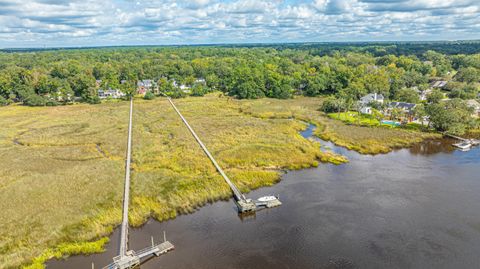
x=417, y=48
x=55, y=77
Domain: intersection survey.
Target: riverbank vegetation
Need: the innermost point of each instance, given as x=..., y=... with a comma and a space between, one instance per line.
x=62, y=168
x=355, y=137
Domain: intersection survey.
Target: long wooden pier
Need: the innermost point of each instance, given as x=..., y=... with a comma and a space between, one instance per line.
x=243, y=204
x=128, y=259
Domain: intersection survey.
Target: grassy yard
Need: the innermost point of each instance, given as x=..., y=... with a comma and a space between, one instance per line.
x=61, y=168
x=355, y=118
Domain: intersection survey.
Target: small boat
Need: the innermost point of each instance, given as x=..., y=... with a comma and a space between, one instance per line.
x=463, y=145
x=267, y=198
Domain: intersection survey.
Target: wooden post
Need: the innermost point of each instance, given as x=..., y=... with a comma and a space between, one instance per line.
x=164, y=237
x=93, y=265
x=152, y=242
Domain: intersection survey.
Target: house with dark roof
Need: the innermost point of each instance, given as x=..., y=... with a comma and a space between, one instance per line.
x=403, y=106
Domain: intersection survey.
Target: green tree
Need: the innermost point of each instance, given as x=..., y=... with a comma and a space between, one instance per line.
x=435, y=97
x=407, y=95
x=452, y=116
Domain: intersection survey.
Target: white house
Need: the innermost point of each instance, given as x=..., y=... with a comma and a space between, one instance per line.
x=183, y=87
x=110, y=93
x=371, y=97
x=200, y=81
x=366, y=110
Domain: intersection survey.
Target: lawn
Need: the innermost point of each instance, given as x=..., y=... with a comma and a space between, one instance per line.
x=62, y=168
x=355, y=118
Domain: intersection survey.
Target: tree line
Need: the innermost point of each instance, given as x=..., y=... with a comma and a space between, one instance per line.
x=60, y=76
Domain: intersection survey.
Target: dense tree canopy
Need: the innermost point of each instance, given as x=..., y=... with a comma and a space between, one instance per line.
x=52, y=77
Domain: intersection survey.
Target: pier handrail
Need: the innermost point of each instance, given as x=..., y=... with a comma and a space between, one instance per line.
x=126, y=191
x=236, y=192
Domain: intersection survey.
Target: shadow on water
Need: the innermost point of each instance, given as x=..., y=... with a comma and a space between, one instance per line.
x=411, y=208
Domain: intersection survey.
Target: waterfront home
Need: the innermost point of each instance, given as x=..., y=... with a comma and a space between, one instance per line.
x=110, y=93
x=407, y=110
x=185, y=88
x=146, y=85
x=403, y=106
x=371, y=97
x=366, y=110
x=475, y=105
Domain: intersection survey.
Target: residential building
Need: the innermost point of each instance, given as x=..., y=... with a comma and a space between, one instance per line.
x=366, y=110
x=405, y=107
x=110, y=93
x=371, y=97
x=143, y=86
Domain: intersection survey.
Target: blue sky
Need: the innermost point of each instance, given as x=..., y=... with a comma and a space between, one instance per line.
x=38, y=23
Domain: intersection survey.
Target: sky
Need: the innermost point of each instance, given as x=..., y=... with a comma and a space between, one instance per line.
x=57, y=23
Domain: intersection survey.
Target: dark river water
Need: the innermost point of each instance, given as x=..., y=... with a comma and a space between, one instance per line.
x=411, y=208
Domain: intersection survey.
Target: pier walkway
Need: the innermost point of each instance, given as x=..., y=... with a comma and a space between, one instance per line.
x=128, y=259
x=471, y=141
x=244, y=204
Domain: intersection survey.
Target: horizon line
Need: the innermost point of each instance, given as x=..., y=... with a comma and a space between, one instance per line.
x=240, y=44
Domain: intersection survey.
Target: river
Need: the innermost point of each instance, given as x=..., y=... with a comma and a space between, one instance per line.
x=411, y=208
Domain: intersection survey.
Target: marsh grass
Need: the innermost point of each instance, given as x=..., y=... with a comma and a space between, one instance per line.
x=62, y=168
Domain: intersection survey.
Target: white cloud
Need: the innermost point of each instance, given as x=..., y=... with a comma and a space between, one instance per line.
x=85, y=22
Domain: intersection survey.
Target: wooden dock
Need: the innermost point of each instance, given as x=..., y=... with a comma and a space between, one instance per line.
x=128, y=259
x=468, y=140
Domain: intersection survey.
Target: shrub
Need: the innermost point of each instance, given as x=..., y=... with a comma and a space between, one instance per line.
x=331, y=105
x=3, y=101
x=149, y=96
x=34, y=100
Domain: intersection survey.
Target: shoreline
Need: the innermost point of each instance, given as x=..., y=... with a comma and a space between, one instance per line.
x=313, y=135
x=104, y=222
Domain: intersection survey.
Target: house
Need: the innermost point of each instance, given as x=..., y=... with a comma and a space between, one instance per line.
x=183, y=87
x=371, y=97
x=405, y=107
x=143, y=86
x=422, y=94
x=366, y=110
x=440, y=84
x=476, y=107
x=110, y=93
x=200, y=81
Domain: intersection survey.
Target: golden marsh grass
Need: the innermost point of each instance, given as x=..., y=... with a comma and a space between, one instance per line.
x=62, y=168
